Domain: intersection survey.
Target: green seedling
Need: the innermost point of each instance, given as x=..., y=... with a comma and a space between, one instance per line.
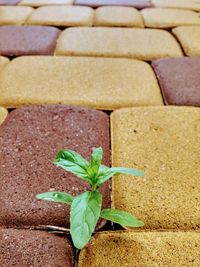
x=86, y=208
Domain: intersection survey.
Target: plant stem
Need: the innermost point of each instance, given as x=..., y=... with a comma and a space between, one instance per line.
x=94, y=187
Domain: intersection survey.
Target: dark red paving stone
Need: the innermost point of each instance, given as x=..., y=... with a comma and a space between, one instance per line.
x=25, y=248
x=96, y=3
x=30, y=138
x=179, y=79
x=9, y=2
x=28, y=40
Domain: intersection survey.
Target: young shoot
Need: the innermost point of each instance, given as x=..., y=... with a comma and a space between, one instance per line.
x=86, y=208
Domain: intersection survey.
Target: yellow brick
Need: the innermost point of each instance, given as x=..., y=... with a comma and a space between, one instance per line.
x=3, y=114
x=62, y=16
x=101, y=83
x=3, y=62
x=142, y=249
x=182, y=4
x=164, y=142
x=118, y=16
x=14, y=15
x=168, y=18
x=144, y=44
x=189, y=37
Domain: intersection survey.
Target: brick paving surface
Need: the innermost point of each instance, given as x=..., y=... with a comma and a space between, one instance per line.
x=138, y=61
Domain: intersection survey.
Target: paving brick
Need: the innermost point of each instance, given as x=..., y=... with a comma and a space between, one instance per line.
x=96, y=3
x=144, y=44
x=14, y=15
x=30, y=138
x=37, y=3
x=27, y=40
x=116, y=249
x=164, y=143
x=22, y=248
x=101, y=83
x=118, y=16
x=3, y=62
x=62, y=16
x=9, y=2
x=179, y=80
x=182, y=4
x=3, y=114
x=189, y=37
x=168, y=17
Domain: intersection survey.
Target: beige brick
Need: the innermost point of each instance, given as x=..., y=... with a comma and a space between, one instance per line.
x=182, y=4
x=144, y=44
x=3, y=114
x=118, y=16
x=164, y=142
x=101, y=83
x=62, y=16
x=3, y=62
x=142, y=249
x=168, y=18
x=189, y=37
x=14, y=15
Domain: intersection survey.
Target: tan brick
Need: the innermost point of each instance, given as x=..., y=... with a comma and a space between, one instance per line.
x=168, y=17
x=62, y=16
x=182, y=4
x=144, y=44
x=164, y=142
x=189, y=37
x=101, y=83
x=3, y=62
x=3, y=114
x=14, y=15
x=118, y=16
x=142, y=249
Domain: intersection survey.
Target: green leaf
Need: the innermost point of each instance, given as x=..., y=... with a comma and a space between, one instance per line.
x=84, y=214
x=96, y=157
x=118, y=170
x=56, y=197
x=121, y=217
x=74, y=163
x=95, y=163
x=105, y=173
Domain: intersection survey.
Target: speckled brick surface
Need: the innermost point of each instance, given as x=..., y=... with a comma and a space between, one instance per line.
x=22, y=248
x=118, y=42
x=30, y=138
x=164, y=143
x=107, y=55
x=133, y=249
x=27, y=40
x=101, y=83
x=180, y=85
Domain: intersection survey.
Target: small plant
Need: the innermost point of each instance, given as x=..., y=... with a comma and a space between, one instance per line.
x=85, y=208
